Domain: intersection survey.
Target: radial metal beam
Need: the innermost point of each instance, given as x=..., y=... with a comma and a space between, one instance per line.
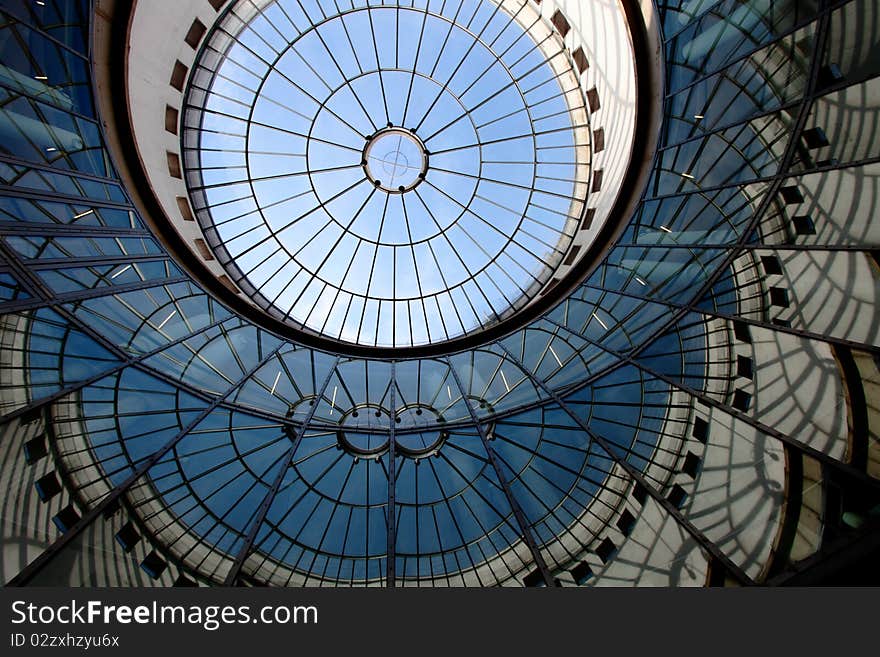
x=124, y=362
x=391, y=552
x=518, y=514
x=91, y=293
x=801, y=333
x=71, y=230
x=37, y=264
x=266, y=504
x=738, y=573
x=801, y=447
x=34, y=567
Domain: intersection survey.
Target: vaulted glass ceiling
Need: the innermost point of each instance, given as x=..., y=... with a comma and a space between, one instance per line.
x=387, y=175
x=671, y=421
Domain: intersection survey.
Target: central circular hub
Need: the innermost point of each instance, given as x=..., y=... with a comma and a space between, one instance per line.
x=395, y=160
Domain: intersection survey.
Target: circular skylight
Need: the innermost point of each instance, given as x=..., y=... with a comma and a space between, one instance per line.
x=387, y=176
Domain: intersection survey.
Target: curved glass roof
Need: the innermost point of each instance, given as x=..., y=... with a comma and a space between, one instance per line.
x=656, y=426
x=386, y=175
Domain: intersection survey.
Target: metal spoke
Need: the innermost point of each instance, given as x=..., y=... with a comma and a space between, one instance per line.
x=738, y=573
x=265, y=505
x=522, y=522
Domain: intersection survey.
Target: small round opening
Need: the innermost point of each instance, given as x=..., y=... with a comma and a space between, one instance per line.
x=395, y=160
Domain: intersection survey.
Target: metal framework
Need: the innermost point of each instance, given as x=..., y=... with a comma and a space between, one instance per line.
x=321, y=242
x=87, y=324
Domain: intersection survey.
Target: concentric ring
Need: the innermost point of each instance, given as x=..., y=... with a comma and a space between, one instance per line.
x=395, y=160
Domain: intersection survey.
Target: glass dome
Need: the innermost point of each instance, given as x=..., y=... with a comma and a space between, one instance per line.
x=387, y=175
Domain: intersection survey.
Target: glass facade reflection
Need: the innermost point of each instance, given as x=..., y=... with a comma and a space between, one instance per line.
x=700, y=410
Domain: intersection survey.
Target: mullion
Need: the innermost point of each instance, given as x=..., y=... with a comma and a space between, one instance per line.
x=552, y=512
x=125, y=360
x=342, y=73
x=17, y=93
x=639, y=478
x=503, y=518
x=272, y=67
x=499, y=140
x=513, y=83
x=475, y=40
x=199, y=502
x=336, y=505
x=515, y=509
x=274, y=234
x=346, y=230
x=256, y=123
x=487, y=254
x=412, y=253
x=367, y=296
x=581, y=475
x=465, y=544
x=415, y=66
x=369, y=11
x=709, y=400
x=440, y=268
x=505, y=183
x=777, y=38
x=467, y=210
